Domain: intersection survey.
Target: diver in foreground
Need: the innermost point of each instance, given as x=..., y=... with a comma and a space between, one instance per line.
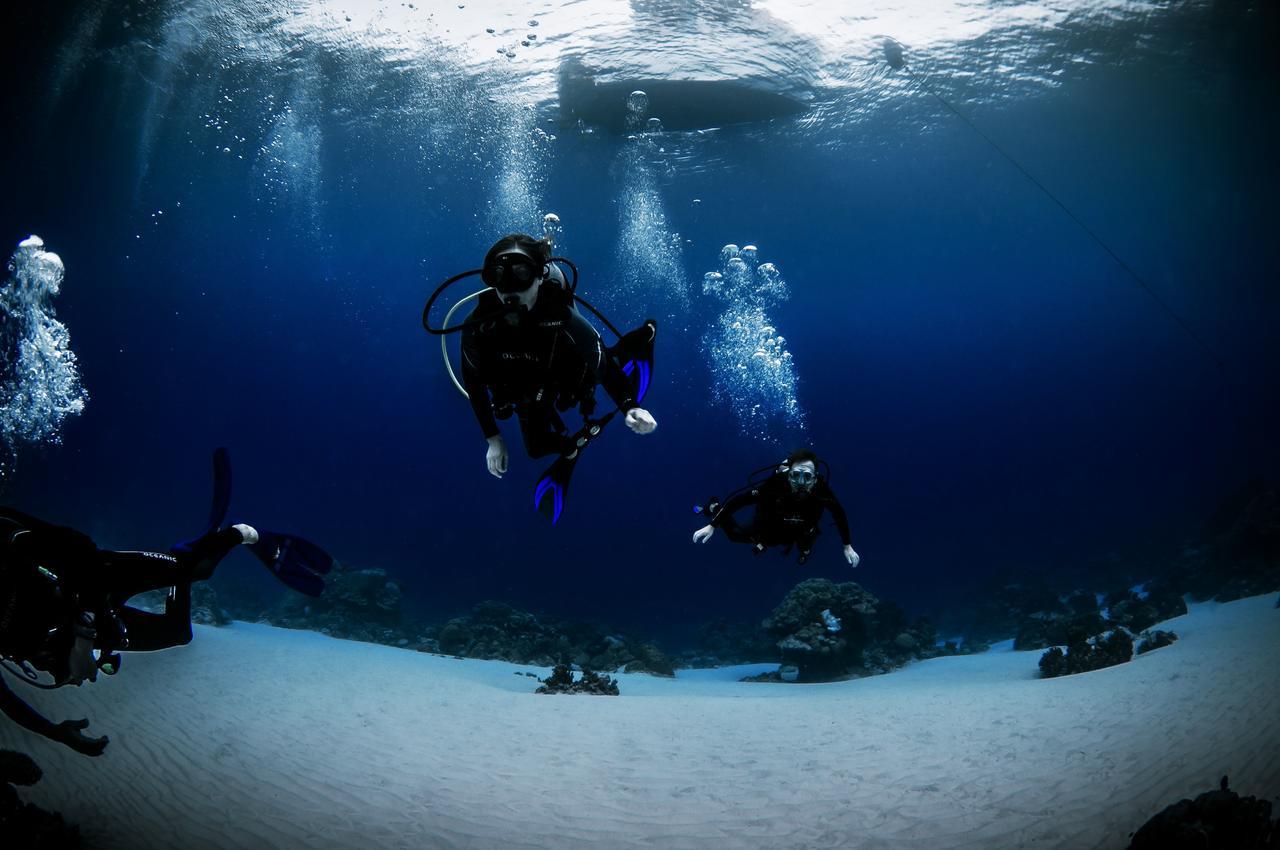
x=62, y=598
x=788, y=505
x=528, y=351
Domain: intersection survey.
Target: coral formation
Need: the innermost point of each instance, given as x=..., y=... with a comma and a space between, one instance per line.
x=873, y=636
x=356, y=604
x=1215, y=820
x=1238, y=554
x=1155, y=640
x=1087, y=654
x=722, y=642
x=496, y=630
x=1138, y=609
x=561, y=681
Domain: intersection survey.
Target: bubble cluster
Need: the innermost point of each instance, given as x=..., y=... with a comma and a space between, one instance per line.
x=552, y=228
x=289, y=169
x=753, y=371
x=514, y=205
x=637, y=110
x=39, y=379
x=650, y=251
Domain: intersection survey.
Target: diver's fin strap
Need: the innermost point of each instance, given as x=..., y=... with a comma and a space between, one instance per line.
x=585, y=435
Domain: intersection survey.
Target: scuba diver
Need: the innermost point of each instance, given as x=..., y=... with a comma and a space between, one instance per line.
x=62, y=599
x=527, y=351
x=788, y=505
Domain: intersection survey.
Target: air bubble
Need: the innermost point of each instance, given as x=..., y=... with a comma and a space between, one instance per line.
x=637, y=103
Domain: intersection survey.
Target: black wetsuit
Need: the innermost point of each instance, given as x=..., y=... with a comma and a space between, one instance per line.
x=101, y=581
x=537, y=364
x=51, y=576
x=783, y=517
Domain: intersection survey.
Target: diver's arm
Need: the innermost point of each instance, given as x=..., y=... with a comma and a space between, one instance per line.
x=495, y=457
x=837, y=514
x=842, y=524
x=731, y=507
x=606, y=370
x=67, y=732
x=477, y=389
x=608, y=373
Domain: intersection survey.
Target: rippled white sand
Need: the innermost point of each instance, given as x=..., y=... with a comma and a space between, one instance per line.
x=259, y=737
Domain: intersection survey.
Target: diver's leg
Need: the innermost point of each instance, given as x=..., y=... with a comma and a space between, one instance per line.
x=147, y=632
x=736, y=531
x=805, y=543
x=543, y=430
x=130, y=573
x=124, y=574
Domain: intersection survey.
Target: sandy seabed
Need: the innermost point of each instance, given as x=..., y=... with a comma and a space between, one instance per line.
x=258, y=737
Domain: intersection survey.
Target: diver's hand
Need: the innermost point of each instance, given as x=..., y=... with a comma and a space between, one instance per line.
x=68, y=732
x=248, y=534
x=702, y=535
x=639, y=420
x=851, y=556
x=496, y=456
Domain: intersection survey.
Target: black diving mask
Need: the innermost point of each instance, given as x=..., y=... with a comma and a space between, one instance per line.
x=801, y=478
x=511, y=272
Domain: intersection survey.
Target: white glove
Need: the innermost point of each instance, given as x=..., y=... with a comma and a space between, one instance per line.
x=851, y=556
x=248, y=533
x=702, y=535
x=639, y=420
x=496, y=456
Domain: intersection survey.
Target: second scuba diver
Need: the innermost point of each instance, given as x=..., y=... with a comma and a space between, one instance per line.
x=788, y=505
x=536, y=361
x=527, y=351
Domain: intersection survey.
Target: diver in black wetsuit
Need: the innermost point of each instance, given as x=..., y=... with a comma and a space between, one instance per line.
x=61, y=598
x=536, y=362
x=788, y=505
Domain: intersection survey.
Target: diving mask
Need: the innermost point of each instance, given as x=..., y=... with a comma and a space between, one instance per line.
x=511, y=272
x=801, y=477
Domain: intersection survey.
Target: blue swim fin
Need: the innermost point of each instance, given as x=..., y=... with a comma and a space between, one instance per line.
x=297, y=563
x=552, y=489
x=634, y=352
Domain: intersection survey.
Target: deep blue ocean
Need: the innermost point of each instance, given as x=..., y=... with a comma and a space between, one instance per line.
x=253, y=201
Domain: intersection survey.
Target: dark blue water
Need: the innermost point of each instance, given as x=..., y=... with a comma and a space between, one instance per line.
x=992, y=391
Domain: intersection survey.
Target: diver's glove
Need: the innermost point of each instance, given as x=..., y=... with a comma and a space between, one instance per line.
x=702, y=535
x=640, y=420
x=496, y=456
x=248, y=534
x=68, y=732
x=851, y=556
